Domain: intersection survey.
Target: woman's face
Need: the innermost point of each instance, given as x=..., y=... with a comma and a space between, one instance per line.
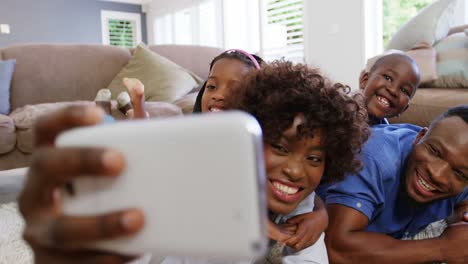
x=294, y=167
x=225, y=74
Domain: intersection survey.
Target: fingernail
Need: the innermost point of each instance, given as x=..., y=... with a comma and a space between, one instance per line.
x=131, y=219
x=112, y=160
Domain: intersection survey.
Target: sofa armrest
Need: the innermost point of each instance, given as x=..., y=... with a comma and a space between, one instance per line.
x=11, y=184
x=7, y=134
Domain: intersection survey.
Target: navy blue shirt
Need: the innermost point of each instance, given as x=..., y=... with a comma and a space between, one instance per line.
x=379, y=192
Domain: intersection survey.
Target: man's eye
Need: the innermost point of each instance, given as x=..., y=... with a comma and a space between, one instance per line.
x=435, y=151
x=460, y=174
x=405, y=91
x=388, y=78
x=279, y=148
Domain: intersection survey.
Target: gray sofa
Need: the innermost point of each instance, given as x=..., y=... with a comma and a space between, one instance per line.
x=48, y=77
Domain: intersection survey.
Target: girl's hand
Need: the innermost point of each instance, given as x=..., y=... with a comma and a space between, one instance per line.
x=280, y=233
x=309, y=226
x=53, y=236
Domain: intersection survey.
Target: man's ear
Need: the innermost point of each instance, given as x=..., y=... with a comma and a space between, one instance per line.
x=363, y=78
x=420, y=135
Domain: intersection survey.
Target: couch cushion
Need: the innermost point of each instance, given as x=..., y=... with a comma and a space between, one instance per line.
x=194, y=58
x=163, y=79
x=186, y=103
x=25, y=117
x=7, y=134
x=452, y=62
x=428, y=103
x=55, y=73
x=424, y=56
x=430, y=25
x=6, y=73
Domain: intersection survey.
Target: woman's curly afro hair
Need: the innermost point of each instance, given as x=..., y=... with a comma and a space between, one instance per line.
x=279, y=91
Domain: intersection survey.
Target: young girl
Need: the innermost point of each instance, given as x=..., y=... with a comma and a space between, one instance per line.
x=310, y=129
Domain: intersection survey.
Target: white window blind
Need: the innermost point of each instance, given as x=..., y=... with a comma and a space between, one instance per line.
x=282, y=30
x=198, y=23
x=121, y=29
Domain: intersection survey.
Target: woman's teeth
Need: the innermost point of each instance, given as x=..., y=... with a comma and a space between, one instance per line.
x=285, y=189
x=425, y=185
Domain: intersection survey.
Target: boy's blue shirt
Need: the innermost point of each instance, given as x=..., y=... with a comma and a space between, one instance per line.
x=378, y=191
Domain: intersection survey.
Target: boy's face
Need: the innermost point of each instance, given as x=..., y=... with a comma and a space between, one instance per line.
x=389, y=87
x=225, y=74
x=437, y=167
x=294, y=167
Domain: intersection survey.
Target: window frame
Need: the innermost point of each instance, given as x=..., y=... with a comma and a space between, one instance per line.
x=106, y=15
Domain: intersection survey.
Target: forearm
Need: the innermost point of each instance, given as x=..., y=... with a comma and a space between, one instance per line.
x=321, y=211
x=368, y=247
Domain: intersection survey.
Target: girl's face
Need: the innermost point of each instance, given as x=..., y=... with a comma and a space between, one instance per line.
x=294, y=167
x=225, y=74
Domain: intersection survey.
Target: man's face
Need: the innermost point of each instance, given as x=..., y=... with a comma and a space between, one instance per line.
x=437, y=167
x=294, y=167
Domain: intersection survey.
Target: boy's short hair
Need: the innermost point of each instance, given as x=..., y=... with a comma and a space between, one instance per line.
x=279, y=91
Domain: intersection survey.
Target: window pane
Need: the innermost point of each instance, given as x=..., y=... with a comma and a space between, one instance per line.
x=207, y=23
x=183, y=27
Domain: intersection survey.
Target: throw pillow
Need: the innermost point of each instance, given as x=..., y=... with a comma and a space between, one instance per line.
x=430, y=25
x=164, y=80
x=452, y=62
x=422, y=53
x=6, y=73
x=425, y=57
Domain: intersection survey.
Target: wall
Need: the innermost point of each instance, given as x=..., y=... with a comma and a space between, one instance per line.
x=58, y=21
x=335, y=33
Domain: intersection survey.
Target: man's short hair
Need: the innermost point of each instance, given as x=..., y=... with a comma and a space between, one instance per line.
x=460, y=111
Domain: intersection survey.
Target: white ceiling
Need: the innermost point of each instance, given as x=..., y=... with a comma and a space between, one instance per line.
x=137, y=2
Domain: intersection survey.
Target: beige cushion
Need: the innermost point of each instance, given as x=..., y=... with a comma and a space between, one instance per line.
x=162, y=109
x=186, y=103
x=163, y=79
x=425, y=57
x=452, y=62
x=7, y=134
x=422, y=53
x=430, y=25
x=25, y=117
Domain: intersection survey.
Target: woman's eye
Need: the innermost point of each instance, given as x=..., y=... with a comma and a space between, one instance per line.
x=405, y=91
x=279, y=148
x=314, y=159
x=210, y=87
x=388, y=78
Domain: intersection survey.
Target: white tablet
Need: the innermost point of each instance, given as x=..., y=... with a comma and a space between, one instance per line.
x=199, y=180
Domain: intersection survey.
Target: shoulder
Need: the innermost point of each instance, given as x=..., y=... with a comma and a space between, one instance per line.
x=391, y=140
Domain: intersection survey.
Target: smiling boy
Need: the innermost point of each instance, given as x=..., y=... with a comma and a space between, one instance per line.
x=388, y=86
x=412, y=177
